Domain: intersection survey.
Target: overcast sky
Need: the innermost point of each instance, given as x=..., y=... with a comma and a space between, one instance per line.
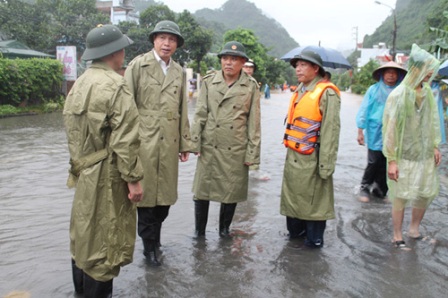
x=330, y=22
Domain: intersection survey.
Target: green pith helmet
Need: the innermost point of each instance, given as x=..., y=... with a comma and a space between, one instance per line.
x=233, y=48
x=167, y=27
x=309, y=56
x=104, y=40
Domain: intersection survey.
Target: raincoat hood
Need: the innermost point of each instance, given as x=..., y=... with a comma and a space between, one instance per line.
x=421, y=63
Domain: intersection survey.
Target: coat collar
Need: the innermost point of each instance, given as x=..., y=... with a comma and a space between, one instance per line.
x=155, y=70
x=223, y=88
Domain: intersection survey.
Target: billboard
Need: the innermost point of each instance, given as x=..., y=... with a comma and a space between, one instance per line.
x=67, y=55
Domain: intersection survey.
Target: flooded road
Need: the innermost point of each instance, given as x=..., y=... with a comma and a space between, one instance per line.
x=358, y=259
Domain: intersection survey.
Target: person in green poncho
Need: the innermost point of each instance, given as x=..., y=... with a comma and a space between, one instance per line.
x=411, y=136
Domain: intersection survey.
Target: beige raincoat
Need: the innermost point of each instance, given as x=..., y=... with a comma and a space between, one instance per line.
x=226, y=132
x=164, y=128
x=101, y=122
x=307, y=188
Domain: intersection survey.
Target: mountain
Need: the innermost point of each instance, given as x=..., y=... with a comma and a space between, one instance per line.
x=413, y=18
x=244, y=14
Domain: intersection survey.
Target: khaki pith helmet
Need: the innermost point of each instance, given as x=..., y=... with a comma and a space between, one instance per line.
x=309, y=56
x=233, y=48
x=251, y=63
x=103, y=41
x=167, y=27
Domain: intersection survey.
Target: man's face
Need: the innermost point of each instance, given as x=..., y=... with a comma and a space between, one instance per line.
x=306, y=71
x=165, y=45
x=118, y=59
x=390, y=76
x=248, y=69
x=232, y=65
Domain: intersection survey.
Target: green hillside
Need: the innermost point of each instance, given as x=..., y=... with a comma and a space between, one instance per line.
x=414, y=17
x=244, y=14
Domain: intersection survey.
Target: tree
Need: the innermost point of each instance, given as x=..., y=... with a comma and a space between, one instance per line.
x=198, y=40
x=25, y=23
x=254, y=49
x=71, y=20
x=154, y=14
x=140, y=38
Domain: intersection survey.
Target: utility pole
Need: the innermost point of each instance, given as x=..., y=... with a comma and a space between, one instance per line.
x=355, y=34
x=394, y=33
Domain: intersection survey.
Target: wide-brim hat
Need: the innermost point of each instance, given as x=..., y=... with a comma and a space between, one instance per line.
x=311, y=57
x=233, y=48
x=103, y=41
x=379, y=71
x=167, y=27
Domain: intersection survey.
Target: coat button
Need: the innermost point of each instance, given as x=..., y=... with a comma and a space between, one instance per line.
x=230, y=148
x=217, y=125
x=216, y=147
x=231, y=127
x=161, y=138
x=220, y=105
x=234, y=107
x=295, y=160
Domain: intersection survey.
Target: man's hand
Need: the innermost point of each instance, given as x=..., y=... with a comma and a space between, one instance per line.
x=248, y=163
x=437, y=156
x=360, y=137
x=392, y=171
x=135, y=192
x=183, y=156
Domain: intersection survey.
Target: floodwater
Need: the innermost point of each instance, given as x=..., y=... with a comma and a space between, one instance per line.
x=358, y=259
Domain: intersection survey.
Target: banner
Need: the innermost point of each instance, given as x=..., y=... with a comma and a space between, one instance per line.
x=67, y=55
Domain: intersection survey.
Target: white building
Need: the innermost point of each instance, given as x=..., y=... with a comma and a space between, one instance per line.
x=118, y=10
x=378, y=52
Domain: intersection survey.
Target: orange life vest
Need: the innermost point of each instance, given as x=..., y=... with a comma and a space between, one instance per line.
x=304, y=119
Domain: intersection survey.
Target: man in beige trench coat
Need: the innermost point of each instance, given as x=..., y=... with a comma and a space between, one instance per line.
x=226, y=134
x=158, y=84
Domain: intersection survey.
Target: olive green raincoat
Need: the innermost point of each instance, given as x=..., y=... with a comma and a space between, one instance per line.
x=164, y=128
x=226, y=132
x=307, y=188
x=99, y=114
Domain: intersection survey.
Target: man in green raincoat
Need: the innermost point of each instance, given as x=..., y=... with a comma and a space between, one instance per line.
x=101, y=122
x=312, y=139
x=159, y=87
x=226, y=134
x=411, y=138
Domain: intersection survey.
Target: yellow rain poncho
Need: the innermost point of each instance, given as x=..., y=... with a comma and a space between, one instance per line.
x=411, y=132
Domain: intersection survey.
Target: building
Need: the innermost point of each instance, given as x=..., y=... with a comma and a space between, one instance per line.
x=118, y=10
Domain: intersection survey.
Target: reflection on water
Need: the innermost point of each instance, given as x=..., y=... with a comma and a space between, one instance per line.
x=358, y=258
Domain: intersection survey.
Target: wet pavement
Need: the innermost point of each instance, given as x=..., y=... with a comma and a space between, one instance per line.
x=258, y=261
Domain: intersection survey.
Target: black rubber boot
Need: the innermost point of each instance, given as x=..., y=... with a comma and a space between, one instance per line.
x=158, y=231
x=97, y=289
x=296, y=228
x=150, y=252
x=226, y=213
x=201, y=216
x=78, y=278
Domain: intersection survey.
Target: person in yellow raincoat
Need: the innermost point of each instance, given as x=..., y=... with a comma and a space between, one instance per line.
x=411, y=136
x=101, y=122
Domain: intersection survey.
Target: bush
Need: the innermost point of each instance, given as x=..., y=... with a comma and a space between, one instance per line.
x=8, y=110
x=30, y=81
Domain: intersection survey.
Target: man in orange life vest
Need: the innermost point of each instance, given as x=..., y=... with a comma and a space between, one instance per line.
x=312, y=140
